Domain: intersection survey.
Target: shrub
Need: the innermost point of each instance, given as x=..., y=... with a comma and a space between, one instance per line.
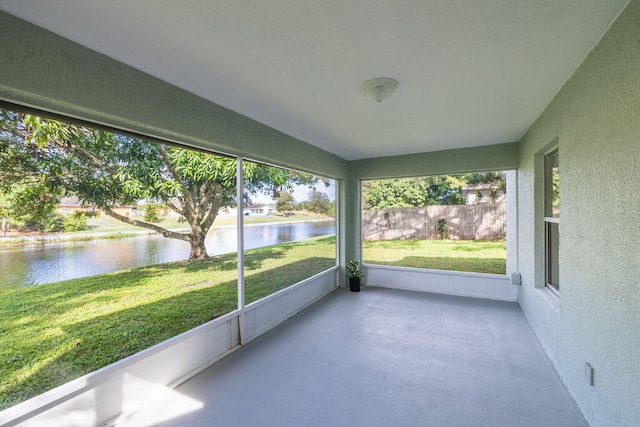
x=76, y=221
x=150, y=212
x=53, y=223
x=442, y=228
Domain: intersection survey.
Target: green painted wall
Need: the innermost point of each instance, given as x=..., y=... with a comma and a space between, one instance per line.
x=486, y=158
x=595, y=122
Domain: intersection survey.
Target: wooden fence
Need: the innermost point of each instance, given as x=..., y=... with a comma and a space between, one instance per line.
x=483, y=221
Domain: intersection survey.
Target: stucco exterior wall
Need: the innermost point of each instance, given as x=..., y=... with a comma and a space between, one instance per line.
x=595, y=122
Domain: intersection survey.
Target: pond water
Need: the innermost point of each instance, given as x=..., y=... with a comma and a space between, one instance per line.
x=54, y=262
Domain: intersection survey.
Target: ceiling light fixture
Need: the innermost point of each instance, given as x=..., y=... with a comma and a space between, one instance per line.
x=377, y=90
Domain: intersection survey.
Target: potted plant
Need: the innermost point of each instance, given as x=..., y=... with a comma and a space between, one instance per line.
x=355, y=273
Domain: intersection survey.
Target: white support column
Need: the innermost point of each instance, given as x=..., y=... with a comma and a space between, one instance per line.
x=240, y=245
x=512, y=222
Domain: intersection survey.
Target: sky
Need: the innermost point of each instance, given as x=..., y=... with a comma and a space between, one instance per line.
x=300, y=193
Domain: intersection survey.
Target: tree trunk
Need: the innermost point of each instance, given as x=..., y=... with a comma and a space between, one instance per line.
x=195, y=238
x=198, y=249
x=5, y=226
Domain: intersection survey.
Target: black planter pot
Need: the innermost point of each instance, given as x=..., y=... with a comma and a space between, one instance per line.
x=354, y=285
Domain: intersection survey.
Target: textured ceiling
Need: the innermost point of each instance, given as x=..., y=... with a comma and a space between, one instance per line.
x=471, y=72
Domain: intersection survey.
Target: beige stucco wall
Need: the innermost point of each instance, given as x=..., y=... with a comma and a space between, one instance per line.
x=595, y=122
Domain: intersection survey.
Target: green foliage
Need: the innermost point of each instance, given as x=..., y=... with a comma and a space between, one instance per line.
x=354, y=269
x=5, y=205
x=27, y=209
x=285, y=203
x=556, y=188
x=273, y=180
x=442, y=228
x=332, y=209
x=318, y=202
x=51, y=224
x=412, y=192
x=75, y=221
x=49, y=159
x=151, y=212
x=494, y=184
x=33, y=203
x=429, y=190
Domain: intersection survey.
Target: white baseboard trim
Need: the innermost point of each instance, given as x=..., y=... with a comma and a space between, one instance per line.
x=488, y=286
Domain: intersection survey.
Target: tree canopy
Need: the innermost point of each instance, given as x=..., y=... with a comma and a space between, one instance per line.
x=285, y=203
x=412, y=192
x=428, y=190
x=318, y=202
x=42, y=160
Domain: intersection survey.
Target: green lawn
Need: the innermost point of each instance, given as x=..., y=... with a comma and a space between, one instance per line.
x=478, y=256
x=53, y=333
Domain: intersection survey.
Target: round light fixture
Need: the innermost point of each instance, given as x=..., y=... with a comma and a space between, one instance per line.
x=377, y=90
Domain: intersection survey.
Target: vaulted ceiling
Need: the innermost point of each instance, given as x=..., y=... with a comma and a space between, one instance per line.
x=471, y=72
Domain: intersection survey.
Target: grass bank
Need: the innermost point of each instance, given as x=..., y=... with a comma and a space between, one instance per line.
x=108, y=224
x=53, y=333
x=106, y=227
x=477, y=256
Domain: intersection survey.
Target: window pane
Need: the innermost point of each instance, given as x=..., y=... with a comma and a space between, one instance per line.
x=289, y=228
x=553, y=254
x=130, y=252
x=454, y=222
x=552, y=186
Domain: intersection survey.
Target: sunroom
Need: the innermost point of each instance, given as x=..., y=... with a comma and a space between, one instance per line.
x=547, y=92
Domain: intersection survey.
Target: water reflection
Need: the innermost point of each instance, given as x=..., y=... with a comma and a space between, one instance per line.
x=52, y=263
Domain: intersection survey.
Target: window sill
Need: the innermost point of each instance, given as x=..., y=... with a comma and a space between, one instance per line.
x=552, y=298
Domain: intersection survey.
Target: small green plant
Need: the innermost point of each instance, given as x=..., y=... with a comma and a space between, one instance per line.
x=354, y=270
x=442, y=228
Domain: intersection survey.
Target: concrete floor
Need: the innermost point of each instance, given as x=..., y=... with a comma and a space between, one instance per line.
x=380, y=357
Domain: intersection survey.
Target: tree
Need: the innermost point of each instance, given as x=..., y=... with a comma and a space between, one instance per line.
x=27, y=207
x=412, y=192
x=493, y=184
x=150, y=212
x=285, y=203
x=51, y=159
x=318, y=202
